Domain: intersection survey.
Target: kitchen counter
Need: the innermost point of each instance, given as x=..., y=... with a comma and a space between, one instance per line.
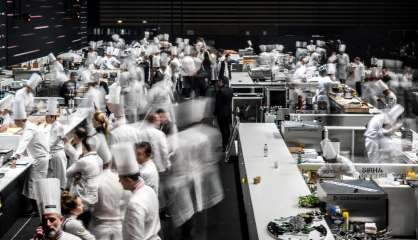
x=11, y=174
x=278, y=192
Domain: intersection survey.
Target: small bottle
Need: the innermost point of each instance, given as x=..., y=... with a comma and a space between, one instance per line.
x=266, y=150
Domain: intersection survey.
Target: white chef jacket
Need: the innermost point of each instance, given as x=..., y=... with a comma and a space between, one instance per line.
x=27, y=98
x=34, y=141
x=56, y=136
x=142, y=220
x=99, y=144
x=68, y=236
x=90, y=166
x=149, y=173
x=123, y=134
x=95, y=98
x=300, y=73
x=188, y=67
x=106, y=219
x=159, y=145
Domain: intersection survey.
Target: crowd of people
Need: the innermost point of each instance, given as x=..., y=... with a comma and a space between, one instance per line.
x=128, y=165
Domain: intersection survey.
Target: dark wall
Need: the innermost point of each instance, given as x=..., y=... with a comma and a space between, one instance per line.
x=38, y=27
x=231, y=22
x=2, y=33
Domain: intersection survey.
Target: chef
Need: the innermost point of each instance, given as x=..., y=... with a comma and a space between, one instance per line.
x=130, y=91
x=55, y=64
x=58, y=160
x=48, y=198
x=147, y=168
x=385, y=98
x=142, y=221
x=33, y=142
x=343, y=60
x=109, y=61
x=264, y=58
x=358, y=74
x=92, y=54
x=300, y=73
x=106, y=221
x=26, y=95
x=381, y=126
x=332, y=65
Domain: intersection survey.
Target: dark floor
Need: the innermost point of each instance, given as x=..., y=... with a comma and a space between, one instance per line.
x=220, y=222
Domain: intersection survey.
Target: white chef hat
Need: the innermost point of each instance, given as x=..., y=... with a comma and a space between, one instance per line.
x=186, y=41
x=115, y=37
x=342, y=48
x=263, y=48
x=382, y=85
x=166, y=36
x=250, y=43
x=311, y=48
x=304, y=44
x=146, y=34
x=156, y=61
x=109, y=50
x=125, y=159
x=394, y=113
x=174, y=51
x=93, y=45
x=298, y=44
x=34, y=80
x=51, y=57
x=179, y=40
x=156, y=40
x=48, y=195
x=52, y=107
x=19, y=110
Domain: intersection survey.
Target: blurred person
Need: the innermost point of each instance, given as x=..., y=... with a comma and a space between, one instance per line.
x=300, y=72
x=72, y=207
x=106, y=221
x=130, y=91
x=121, y=131
x=48, y=198
x=147, y=168
x=343, y=60
x=160, y=96
x=223, y=109
x=92, y=54
x=224, y=68
x=58, y=160
x=175, y=66
x=332, y=65
x=188, y=70
x=358, y=74
x=55, y=64
x=166, y=126
x=379, y=128
x=386, y=98
x=141, y=219
x=198, y=85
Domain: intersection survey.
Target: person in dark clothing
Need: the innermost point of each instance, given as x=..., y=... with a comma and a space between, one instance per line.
x=69, y=88
x=223, y=109
x=224, y=67
x=166, y=126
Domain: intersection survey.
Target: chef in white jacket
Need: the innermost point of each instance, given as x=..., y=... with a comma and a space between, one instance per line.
x=58, y=160
x=147, y=168
x=106, y=221
x=264, y=57
x=48, y=198
x=83, y=174
x=33, y=142
x=385, y=97
x=26, y=95
x=92, y=54
x=142, y=221
x=150, y=133
x=381, y=126
x=55, y=64
x=130, y=90
x=343, y=60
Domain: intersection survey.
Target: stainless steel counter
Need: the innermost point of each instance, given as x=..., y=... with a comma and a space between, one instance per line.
x=277, y=194
x=12, y=174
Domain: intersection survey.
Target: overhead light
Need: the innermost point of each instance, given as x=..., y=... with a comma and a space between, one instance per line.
x=119, y=21
x=144, y=21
